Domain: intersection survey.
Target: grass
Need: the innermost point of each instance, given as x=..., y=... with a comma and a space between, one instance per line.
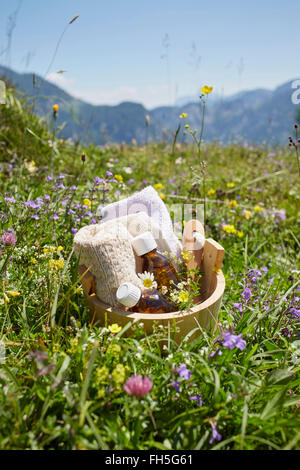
x=61, y=377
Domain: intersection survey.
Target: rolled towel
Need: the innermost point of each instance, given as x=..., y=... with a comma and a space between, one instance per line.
x=147, y=201
x=105, y=249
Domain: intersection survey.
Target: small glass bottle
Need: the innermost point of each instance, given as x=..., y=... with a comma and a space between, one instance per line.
x=147, y=301
x=154, y=262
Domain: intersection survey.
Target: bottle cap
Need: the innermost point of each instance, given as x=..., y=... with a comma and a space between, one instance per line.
x=200, y=240
x=128, y=294
x=144, y=243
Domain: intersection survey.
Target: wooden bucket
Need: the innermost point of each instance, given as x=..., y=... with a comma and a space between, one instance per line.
x=203, y=314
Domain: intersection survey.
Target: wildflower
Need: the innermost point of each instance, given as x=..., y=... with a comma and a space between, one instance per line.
x=9, y=199
x=118, y=375
x=119, y=178
x=257, y=208
x=183, y=115
x=247, y=214
x=138, y=386
x=231, y=341
x=83, y=157
x=230, y=185
x=247, y=293
x=148, y=280
x=233, y=204
x=206, y=90
x=238, y=306
x=229, y=229
x=114, y=349
x=87, y=202
x=158, y=186
x=55, y=109
x=114, y=328
x=9, y=238
x=183, y=296
x=13, y=293
x=59, y=264
x=30, y=166
x=197, y=398
x=216, y=436
x=240, y=234
x=176, y=385
x=184, y=372
x=211, y=192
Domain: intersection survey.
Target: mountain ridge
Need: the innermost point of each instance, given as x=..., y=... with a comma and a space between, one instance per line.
x=256, y=116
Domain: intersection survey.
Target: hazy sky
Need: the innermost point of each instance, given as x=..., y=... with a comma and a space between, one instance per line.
x=153, y=51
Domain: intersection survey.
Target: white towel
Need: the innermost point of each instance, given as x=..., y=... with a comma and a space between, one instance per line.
x=147, y=201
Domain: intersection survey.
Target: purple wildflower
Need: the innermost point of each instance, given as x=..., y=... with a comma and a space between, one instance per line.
x=184, y=372
x=9, y=238
x=197, y=398
x=216, y=436
x=247, y=293
x=73, y=188
x=109, y=173
x=238, y=306
x=176, y=385
x=231, y=341
x=138, y=386
x=9, y=199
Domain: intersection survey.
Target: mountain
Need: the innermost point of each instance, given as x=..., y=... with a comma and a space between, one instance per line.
x=255, y=116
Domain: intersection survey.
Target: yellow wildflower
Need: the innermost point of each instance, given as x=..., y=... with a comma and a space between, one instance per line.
x=211, y=192
x=187, y=126
x=229, y=229
x=257, y=208
x=102, y=374
x=33, y=260
x=119, y=178
x=59, y=264
x=247, y=214
x=118, y=375
x=206, y=90
x=114, y=328
x=183, y=296
x=183, y=115
x=87, y=202
x=59, y=249
x=162, y=196
x=6, y=298
x=230, y=185
x=55, y=108
x=30, y=166
x=233, y=204
x=13, y=293
x=158, y=186
x=186, y=255
x=240, y=234
x=101, y=393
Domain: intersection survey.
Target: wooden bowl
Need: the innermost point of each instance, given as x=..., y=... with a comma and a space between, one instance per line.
x=203, y=314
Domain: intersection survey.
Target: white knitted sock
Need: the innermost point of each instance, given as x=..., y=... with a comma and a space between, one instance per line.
x=106, y=250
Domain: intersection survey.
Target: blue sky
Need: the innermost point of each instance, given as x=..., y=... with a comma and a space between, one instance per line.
x=154, y=51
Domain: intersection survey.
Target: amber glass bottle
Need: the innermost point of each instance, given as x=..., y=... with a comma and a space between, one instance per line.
x=147, y=301
x=154, y=262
